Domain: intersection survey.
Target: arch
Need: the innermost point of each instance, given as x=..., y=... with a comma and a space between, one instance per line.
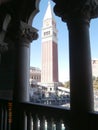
x=30, y=20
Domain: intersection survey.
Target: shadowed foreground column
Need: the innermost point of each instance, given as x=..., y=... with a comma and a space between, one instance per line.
x=21, y=93
x=27, y=34
x=81, y=89
x=78, y=15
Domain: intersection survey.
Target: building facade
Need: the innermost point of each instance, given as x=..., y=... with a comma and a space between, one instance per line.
x=95, y=67
x=35, y=75
x=49, y=73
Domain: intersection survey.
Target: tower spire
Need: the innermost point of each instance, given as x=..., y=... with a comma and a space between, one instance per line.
x=48, y=2
x=49, y=12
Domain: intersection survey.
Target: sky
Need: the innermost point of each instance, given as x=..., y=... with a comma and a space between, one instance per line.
x=63, y=47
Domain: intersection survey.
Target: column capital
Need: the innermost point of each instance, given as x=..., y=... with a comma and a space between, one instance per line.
x=68, y=9
x=20, y=32
x=27, y=33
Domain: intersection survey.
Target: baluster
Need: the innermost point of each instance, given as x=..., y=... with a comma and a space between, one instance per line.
x=35, y=122
x=50, y=124
x=58, y=125
x=66, y=126
x=24, y=121
x=29, y=121
x=19, y=118
x=42, y=123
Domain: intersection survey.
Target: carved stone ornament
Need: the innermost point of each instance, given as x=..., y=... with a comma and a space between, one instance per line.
x=76, y=8
x=3, y=45
x=27, y=33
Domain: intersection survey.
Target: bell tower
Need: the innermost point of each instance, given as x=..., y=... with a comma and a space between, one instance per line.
x=49, y=73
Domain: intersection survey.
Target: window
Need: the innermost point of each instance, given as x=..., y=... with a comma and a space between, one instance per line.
x=46, y=33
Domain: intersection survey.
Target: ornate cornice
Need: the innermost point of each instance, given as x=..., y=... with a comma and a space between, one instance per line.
x=82, y=8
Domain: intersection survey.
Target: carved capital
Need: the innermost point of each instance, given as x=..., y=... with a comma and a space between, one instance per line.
x=27, y=33
x=79, y=9
x=21, y=33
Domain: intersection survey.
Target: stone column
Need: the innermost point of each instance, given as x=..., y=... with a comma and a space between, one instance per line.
x=26, y=35
x=80, y=65
x=78, y=16
x=81, y=88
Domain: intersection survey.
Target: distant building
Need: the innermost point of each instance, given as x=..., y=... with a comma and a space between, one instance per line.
x=35, y=75
x=49, y=72
x=95, y=67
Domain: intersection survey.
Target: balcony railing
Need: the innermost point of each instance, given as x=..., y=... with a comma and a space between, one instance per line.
x=34, y=116
x=28, y=116
x=5, y=114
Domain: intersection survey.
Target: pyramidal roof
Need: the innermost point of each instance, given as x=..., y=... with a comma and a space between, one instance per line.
x=49, y=12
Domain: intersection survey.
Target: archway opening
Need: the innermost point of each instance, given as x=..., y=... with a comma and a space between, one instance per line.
x=63, y=55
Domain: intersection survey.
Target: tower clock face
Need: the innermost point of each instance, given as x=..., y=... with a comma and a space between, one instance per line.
x=47, y=23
